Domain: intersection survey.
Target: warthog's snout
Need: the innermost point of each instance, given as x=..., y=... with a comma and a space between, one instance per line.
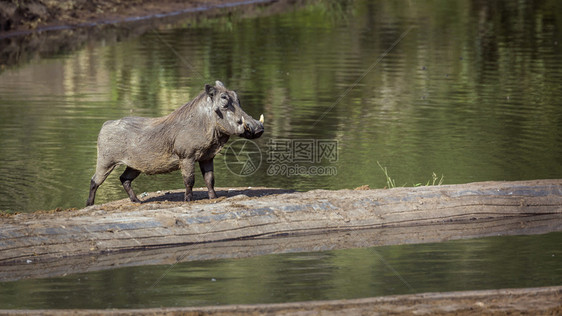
x=253, y=128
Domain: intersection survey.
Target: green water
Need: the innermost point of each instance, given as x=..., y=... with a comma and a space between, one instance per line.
x=471, y=91
x=468, y=90
x=486, y=263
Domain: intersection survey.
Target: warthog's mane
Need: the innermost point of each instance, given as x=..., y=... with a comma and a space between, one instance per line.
x=192, y=113
x=184, y=111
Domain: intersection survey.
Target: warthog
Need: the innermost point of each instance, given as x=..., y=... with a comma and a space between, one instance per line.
x=195, y=132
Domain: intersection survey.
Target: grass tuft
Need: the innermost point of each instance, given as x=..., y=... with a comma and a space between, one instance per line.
x=391, y=183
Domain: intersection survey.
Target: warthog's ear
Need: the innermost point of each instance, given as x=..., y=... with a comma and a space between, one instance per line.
x=219, y=84
x=211, y=91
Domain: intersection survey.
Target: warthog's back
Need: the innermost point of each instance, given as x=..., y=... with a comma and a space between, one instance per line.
x=139, y=143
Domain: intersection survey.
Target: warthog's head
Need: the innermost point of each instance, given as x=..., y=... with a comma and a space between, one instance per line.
x=231, y=119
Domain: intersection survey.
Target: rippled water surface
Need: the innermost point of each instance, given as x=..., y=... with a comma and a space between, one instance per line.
x=468, y=90
x=471, y=91
x=477, y=264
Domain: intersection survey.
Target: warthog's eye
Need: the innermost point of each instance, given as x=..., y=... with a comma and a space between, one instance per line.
x=224, y=99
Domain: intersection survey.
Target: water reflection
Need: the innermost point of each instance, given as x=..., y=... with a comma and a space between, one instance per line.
x=487, y=263
x=472, y=92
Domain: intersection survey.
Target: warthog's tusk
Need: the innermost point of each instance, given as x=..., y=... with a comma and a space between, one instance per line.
x=261, y=119
x=244, y=123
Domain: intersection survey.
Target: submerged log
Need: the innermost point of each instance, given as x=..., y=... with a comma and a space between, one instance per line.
x=257, y=221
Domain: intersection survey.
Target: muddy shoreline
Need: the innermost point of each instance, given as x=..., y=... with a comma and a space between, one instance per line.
x=24, y=17
x=110, y=21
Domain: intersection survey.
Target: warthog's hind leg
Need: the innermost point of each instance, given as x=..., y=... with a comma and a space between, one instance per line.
x=93, y=188
x=126, y=178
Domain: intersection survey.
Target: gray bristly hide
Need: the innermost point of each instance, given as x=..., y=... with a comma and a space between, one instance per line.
x=195, y=132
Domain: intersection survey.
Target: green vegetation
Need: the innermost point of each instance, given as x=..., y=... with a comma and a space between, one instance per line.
x=391, y=183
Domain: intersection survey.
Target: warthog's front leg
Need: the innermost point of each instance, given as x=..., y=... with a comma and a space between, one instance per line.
x=209, y=176
x=126, y=178
x=187, y=167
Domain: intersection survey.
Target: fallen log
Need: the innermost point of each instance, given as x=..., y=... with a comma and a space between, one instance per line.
x=257, y=221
